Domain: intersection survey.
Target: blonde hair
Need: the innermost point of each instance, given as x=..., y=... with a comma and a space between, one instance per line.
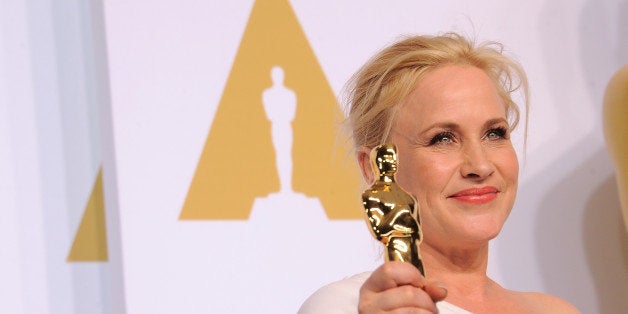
x=375, y=92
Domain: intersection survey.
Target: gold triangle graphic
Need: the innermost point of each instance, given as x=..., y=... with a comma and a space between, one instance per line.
x=90, y=242
x=237, y=163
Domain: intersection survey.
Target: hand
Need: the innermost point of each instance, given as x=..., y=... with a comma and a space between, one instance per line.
x=398, y=287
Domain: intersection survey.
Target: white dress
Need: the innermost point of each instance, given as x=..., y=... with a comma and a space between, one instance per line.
x=341, y=297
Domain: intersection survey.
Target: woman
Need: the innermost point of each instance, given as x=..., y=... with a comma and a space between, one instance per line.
x=446, y=104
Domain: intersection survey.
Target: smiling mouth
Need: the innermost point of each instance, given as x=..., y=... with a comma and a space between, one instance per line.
x=476, y=195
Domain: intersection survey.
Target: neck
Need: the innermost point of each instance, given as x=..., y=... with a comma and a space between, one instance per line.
x=463, y=271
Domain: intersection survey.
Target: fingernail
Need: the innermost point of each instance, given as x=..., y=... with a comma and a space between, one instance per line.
x=442, y=286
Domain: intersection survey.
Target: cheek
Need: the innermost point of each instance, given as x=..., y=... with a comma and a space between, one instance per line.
x=424, y=175
x=509, y=166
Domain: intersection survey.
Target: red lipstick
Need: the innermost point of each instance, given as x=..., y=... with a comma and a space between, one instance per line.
x=476, y=195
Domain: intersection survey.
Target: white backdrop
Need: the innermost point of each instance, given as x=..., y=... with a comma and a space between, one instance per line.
x=134, y=86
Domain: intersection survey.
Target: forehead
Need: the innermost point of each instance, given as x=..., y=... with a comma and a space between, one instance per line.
x=451, y=93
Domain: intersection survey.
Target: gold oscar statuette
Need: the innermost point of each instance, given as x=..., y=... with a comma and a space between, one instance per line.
x=391, y=212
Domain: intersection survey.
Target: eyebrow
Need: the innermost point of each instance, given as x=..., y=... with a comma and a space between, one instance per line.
x=454, y=126
x=495, y=121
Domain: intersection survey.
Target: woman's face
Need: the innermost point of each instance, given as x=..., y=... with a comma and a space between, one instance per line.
x=455, y=156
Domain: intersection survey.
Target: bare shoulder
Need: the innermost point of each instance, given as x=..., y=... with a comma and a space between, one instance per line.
x=545, y=303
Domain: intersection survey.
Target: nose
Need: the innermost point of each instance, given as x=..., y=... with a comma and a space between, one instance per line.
x=476, y=164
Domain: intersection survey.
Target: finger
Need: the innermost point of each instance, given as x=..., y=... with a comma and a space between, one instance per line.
x=394, y=274
x=436, y=290
x=406, y=296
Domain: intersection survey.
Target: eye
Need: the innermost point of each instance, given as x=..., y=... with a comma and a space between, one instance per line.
x=497, y=133
x=442, y=138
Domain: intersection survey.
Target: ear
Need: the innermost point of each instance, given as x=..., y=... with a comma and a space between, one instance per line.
x=364, y=160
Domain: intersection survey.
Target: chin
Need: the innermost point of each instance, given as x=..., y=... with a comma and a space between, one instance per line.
x=481, y=229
